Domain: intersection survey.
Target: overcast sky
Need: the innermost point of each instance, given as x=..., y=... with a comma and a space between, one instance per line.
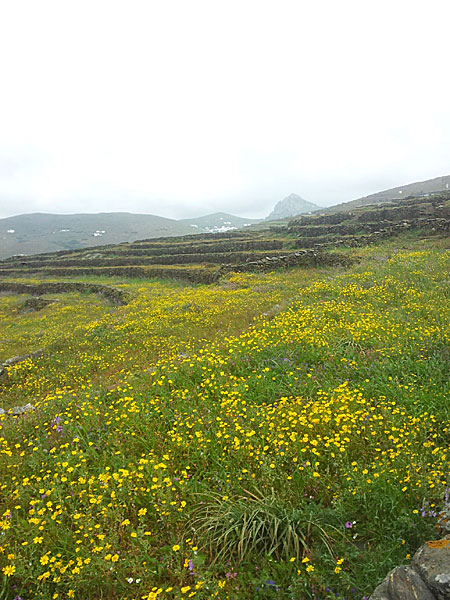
x=184, y=107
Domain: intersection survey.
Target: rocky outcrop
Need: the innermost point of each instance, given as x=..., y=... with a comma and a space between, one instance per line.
x=290, y=206
x=427, y=578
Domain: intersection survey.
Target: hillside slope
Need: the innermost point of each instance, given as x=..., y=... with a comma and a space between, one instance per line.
x=204, y=257
x=39, y=232
x=271, y=435
x=418, y=188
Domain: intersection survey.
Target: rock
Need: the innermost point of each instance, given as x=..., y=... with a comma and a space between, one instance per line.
x=444, y=518
x=432, y=561
x=382, y=591
x=20, y=410
x=290, y=206
x=403, y=583
x=36, y=303
x=406, y=584
x=14, y=360
x=428, y=577
x=17, y=410
x=17, y=359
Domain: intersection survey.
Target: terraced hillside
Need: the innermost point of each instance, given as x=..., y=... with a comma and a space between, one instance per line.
x=277, y=433
x=204, y=258
x=196, y=258
x=366, y=225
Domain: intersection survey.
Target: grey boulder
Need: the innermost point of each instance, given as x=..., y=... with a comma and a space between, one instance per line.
x=432, y=561
x=402, y=583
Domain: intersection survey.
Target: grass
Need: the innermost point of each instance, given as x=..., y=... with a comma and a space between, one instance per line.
x=250, y=525
x=279, y=435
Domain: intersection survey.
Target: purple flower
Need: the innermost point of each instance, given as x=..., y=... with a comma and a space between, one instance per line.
x=348, y=524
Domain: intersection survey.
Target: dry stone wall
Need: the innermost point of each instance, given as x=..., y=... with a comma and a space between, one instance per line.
x=114, y=295
x=306, y=258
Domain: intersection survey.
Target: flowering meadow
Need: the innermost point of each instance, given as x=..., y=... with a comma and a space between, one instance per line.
x=276, y=435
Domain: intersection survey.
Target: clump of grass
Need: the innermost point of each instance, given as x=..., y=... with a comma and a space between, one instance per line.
x=254, y=525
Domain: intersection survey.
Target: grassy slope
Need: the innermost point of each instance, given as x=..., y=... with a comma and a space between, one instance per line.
x=177, y=443
x=418, y=188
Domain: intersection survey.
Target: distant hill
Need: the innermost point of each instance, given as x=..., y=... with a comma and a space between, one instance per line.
x=291, y=206
x=419, y=188
x=40, y=232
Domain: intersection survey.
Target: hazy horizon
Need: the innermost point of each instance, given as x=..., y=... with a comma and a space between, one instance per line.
x=185, y=109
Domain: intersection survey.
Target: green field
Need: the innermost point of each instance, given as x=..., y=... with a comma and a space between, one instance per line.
x=272, y=434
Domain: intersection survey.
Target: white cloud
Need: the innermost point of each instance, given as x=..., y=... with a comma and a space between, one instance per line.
x=179, y=108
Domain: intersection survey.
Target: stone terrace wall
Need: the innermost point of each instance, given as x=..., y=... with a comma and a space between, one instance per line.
x=307, y=258
x=196, y=275
x=112, y=294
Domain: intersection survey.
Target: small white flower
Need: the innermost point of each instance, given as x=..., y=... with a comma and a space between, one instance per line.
x=130, y=580
x=138, y=581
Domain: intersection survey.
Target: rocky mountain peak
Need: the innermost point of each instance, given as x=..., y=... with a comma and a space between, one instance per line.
x=290, y=206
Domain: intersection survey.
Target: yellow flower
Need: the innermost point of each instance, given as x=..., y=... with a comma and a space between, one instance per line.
x=9, y=570
x=309, y=569
x=175, y=548
x=185, y=589
x=142, y=512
